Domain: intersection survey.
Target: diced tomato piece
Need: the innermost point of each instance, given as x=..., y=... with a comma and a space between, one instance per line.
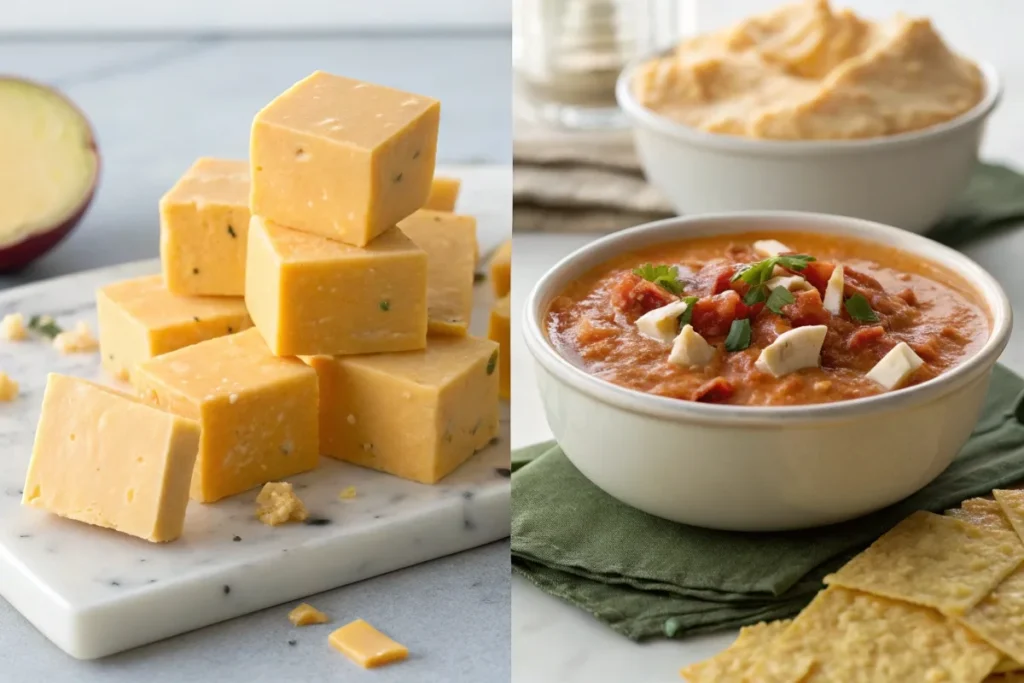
x=806, y=309
x=928, y=351
x=714, y=391
x=908, y=295
x=723, y=281
x=862, y=279
x=635, y=296
x=766, y=328
x=817, y=273
x=865, y=336
x=713, y=315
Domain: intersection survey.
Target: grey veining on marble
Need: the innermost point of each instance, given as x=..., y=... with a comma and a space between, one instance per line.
x=95, y=592
x=156, y=105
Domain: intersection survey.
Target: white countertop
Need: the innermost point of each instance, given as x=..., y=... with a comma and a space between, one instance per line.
x=557, y=643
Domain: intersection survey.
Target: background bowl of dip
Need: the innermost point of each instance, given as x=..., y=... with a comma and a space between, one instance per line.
x=907, y=180
x=755, y=468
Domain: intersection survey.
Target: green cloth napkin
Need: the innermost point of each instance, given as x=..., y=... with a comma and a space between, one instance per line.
x=993, y=200
x=647, y=577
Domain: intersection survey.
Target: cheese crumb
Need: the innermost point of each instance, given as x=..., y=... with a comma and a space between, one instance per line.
x=13, y=327
x=78, y=340
x=305, y=614
x=793, y=350
x=8, y=388
x=833, y=299
x=896, y=367
x=348, y=493
x=661, y=324
x=278, y=504
x=690, y=349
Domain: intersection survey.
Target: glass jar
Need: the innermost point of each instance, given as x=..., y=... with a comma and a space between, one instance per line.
x=567, y=54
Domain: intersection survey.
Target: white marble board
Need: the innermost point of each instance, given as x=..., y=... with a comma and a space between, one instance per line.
x=94, y=592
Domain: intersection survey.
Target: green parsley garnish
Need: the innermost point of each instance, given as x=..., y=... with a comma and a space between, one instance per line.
x=666, y=277
x=385, y=305
x=492, y=363
x=44, y=325
x=231, y=231
x=779, y=297
x=860, y=310
x=758, y=274
x=687, y=315
x=739, y=335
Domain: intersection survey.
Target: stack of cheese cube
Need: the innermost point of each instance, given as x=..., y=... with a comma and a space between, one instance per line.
x=307, y=306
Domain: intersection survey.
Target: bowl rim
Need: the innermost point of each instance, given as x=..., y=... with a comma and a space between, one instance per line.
x=668, y=230
x=641, y=115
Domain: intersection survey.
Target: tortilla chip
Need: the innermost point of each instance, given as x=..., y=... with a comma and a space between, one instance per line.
x=934, y=561
x=999, y=617
x=981, y=512
x=856, y=637
x=1006, y=665
x=733, y=663
x=1011, y=502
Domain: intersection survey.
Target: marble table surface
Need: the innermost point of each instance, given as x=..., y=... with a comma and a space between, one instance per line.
x=155, y=106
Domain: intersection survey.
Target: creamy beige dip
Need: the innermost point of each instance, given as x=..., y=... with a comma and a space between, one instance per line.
x=806, y=72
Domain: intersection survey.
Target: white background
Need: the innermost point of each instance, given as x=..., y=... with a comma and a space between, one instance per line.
x=90, y=17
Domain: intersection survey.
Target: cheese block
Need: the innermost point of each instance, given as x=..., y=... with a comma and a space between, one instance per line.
x=691, y=350
x=204, y=224
x=107, y=459
x=501, y=269
x=341, y=158
x=444, y=192
x=450, y=242
x=500, y=330
x=417, y=415
x=769, y=248
x=661, y=324
x=833, y=299
x=311, y=295
x=793, y=350
x=793, y=283
x=139, y=319
x=365, y=645
x=896, y=367
x=258, y=412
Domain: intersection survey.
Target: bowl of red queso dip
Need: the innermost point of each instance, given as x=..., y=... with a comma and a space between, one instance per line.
x=758, y=371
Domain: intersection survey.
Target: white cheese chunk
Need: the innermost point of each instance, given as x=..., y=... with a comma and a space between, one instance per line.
x=793, y=283
x=769, y=248
x=661, y=324
x=833, y=299
x=793, y=350
x=896, y=367
x=690, y=349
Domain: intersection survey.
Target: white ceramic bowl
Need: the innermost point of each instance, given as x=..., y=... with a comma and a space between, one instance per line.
x=760, y=468
x=906, y=180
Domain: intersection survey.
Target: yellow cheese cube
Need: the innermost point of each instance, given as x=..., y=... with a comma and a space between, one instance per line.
x=365, y=645
x=500, y=330
x=107, y=459
x=341, y=158
x=139, y=319
x=204, y=223
x=258, y=412
x=444, y=192
x=310, y=295
x=418, y=414
x=501, y=269
x=450, y=243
